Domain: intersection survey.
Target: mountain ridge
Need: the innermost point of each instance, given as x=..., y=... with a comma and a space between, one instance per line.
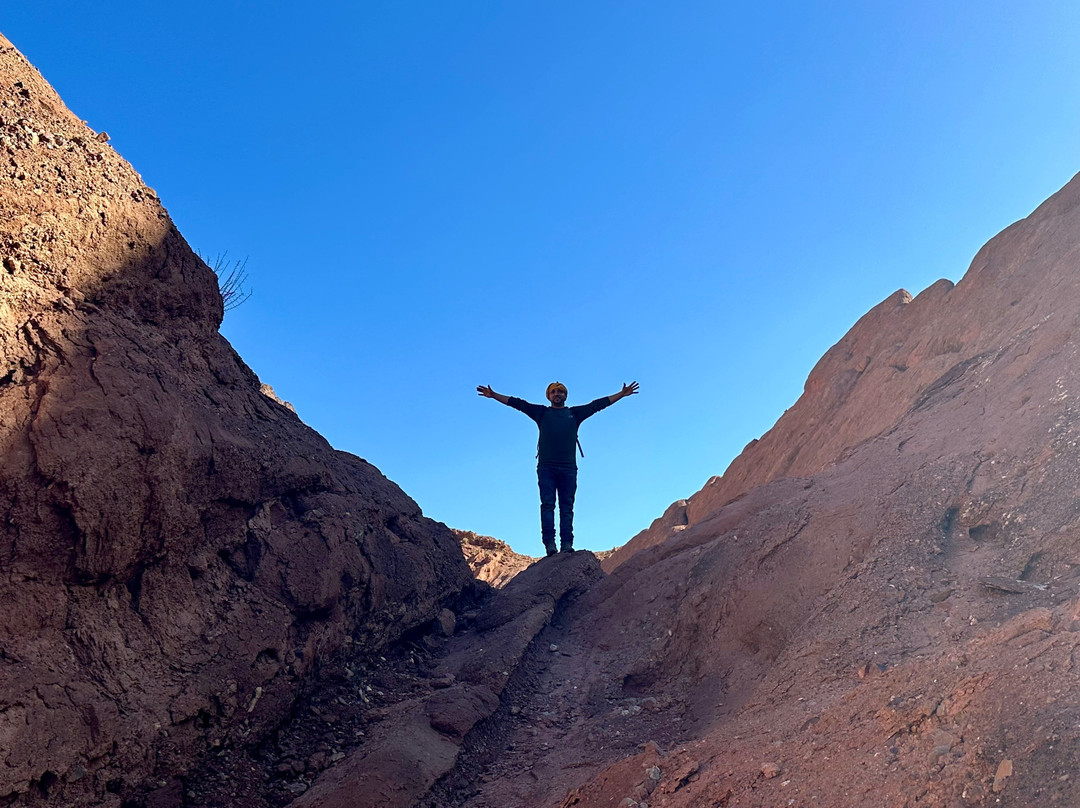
x=865, y=383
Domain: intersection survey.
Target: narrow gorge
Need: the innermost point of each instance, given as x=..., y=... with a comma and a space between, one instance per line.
x=205, y=604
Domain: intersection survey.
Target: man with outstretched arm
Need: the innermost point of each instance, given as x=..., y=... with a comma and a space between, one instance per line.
x=556, y=461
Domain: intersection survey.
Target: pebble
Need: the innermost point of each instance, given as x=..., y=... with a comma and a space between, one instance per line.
x=934, y=759
x=770, y=770
x=1004, y=771
x=445, y=623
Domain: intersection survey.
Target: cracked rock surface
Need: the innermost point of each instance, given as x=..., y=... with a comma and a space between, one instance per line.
x=178, y=549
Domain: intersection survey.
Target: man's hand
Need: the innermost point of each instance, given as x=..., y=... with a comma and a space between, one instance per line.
x=627, y=390
x=486, y=391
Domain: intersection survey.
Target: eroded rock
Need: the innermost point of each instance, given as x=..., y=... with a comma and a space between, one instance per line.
x=179, y=548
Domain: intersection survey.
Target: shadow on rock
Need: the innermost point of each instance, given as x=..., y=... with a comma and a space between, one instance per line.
x=420, y=738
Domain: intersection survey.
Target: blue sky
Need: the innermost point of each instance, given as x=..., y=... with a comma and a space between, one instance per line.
x=702, y=197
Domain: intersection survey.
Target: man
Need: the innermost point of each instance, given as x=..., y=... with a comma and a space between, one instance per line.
x=556, y=466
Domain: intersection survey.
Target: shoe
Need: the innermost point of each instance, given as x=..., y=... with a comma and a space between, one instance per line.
x=550, y=548
x=566, y=548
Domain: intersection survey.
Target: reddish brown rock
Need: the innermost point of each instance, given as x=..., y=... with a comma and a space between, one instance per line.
x=491, y=560
x=912, y=517
x=418, y=743
x=179, y=549
x=908, y=354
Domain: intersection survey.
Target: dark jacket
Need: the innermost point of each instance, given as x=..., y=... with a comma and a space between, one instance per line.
x=558, y=428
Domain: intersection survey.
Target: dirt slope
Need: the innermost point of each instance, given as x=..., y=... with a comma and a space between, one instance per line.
x=178, y=548
x=897, y=357
x=880, y=606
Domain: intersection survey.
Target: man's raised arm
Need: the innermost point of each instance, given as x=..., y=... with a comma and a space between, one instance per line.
x=487, y=392
x=627, y=390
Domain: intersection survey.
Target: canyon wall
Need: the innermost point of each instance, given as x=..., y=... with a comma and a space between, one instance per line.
x=179, y=549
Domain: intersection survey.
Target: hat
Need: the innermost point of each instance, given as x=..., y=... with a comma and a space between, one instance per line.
x=555, y=386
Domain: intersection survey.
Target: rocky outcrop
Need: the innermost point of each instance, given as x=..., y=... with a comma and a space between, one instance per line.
x=179, y=550
x=877, y=602
x=491, y=560
x=902, y=355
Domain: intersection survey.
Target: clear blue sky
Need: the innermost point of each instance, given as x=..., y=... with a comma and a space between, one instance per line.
x=701, y=196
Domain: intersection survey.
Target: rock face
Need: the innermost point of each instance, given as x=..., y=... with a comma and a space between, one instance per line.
x=876, y=604
x=902, y=356
x=178, y=548
x=491, y=560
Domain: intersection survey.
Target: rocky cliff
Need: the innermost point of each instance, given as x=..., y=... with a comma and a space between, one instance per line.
x=897, y=357
x=491, y=560
x=876, y=604
x=178, y=549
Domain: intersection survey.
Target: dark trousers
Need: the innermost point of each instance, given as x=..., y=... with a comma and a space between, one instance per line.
x=560, y=482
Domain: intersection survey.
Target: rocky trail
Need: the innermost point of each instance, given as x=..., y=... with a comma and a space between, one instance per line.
x=566, y=730
x=521, y=746
x=420, y=719
x=530, y=751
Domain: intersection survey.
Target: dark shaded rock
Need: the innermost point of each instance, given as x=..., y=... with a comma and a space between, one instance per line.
x=455, y=711
x=445, y=622
x=420, y=740
x=541, y=584
x=179, y=549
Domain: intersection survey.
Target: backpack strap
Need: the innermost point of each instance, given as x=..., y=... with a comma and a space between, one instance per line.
x=577, y=439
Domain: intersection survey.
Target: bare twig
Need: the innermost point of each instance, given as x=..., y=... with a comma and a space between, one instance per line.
x=232, y=281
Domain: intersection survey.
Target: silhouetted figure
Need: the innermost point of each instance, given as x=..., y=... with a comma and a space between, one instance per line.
x=556, y=460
